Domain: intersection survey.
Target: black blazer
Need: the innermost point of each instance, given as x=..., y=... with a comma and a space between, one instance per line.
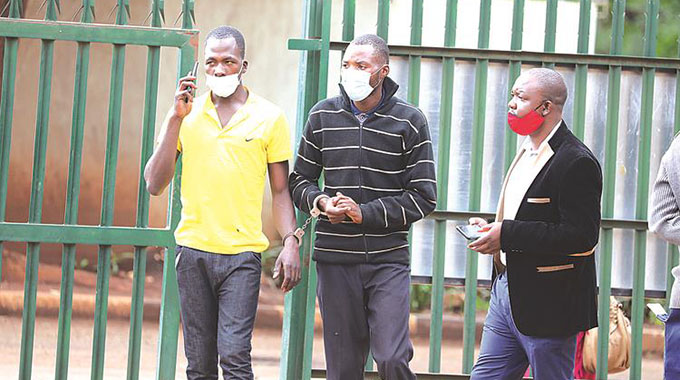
x=549, y=245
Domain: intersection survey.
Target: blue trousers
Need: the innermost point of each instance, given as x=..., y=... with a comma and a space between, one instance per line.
x=218, y=301
x=505, y=353
x=672, y=348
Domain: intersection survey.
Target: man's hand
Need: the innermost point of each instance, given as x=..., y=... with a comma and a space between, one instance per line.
x=352, y=208
x=184, y=97
x=489, y=243
x=334, y=213
x=477, y=221
x=288, y=262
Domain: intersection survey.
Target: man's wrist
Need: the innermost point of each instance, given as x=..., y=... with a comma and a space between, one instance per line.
x=175, y=118
x=317, y=207
x=321, y=202
x=290, y=240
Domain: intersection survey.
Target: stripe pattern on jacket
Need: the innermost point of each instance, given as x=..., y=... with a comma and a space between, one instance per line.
x=383, y=161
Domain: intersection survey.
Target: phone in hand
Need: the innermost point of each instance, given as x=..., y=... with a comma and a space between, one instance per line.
x=193, y=73
x=471, y=231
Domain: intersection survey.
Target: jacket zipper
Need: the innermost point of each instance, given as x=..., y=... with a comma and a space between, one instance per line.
x=362, y=118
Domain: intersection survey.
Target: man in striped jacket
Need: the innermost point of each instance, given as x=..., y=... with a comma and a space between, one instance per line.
x=376, y=156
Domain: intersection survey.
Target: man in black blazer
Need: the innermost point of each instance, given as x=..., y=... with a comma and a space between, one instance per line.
x=546, y=229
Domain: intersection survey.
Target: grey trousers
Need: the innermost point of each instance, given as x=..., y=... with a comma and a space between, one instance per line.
x=362, y=306
x=218, y=300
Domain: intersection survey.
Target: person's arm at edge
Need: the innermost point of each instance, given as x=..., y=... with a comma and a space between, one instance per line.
x=664, y=217
x=284, y=219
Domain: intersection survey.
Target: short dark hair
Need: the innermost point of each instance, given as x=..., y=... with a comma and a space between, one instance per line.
x=379, y=45
x=226, y=31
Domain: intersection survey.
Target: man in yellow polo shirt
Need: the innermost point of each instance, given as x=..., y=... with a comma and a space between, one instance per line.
x=229, y=138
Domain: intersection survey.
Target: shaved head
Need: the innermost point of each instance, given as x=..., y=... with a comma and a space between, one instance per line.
x=548, y=82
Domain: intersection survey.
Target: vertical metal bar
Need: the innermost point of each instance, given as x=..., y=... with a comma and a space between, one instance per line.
x=139, y=264
x=413, y=95
x=348, y=17
x=110, y=164
x=308, y=343
x=325, y=48
x=550, y=29
x=369, y=362
x=477, y=155
x=514, y=71
x=647, y=108
x=310, y=314
x=413, y=86
x=295, y=342
x=37, y=191
x=9, y=65
x=68, y=256
x=581, y=71
x=169, y=315
x=443, y=159
x=383, y=18
x=609, y=190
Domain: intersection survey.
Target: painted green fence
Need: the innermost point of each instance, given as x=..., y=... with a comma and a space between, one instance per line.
x=315, y=61
x=314, y=77
x=70, y=234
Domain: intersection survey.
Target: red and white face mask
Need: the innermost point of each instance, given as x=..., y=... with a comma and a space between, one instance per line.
x=527, y=124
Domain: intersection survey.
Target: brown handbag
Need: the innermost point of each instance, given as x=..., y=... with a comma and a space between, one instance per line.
x=619, y=342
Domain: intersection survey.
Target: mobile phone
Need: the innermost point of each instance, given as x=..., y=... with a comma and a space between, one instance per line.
x=659, y=311
x=193, y=73
x=470, y=231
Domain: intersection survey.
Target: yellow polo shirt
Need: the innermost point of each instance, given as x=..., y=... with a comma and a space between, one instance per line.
x=223, y=174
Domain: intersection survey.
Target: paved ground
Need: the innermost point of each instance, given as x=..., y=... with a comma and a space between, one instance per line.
x=266, y=352
x=266, y=343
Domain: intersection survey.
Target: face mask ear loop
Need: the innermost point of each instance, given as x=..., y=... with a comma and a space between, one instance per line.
x=240, y=71
x=379, y=83
x=543, y=104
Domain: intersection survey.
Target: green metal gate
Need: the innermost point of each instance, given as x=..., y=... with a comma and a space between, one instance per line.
x=317, y=46
x=70, y=234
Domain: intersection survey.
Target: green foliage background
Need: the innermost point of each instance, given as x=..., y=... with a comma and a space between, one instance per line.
x=634, y=28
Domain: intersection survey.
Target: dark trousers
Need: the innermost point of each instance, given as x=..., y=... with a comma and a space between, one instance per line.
x=218, y=300
x=672, y=348
x=365, y=306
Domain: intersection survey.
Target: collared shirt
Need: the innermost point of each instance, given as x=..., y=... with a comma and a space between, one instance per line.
x=520, y=178
x=362, y=116
x=223, y=174
x=357, y=111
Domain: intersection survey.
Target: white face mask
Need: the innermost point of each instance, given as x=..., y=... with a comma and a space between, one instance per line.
x=357, y=83
x=223, y=86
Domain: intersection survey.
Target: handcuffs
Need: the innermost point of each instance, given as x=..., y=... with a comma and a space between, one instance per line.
x=313, y=213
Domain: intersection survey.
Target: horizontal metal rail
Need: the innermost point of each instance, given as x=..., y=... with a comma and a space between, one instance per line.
x=485, y=284
x=96, y=235
x=592, y=60
x=606, y=223
x=144, y=237
x=103, y=33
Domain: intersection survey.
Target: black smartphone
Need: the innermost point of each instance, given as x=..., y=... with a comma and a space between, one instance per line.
x=470, y=231
x=193, y=73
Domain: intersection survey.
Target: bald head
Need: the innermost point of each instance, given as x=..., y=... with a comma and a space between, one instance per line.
x=549, y=83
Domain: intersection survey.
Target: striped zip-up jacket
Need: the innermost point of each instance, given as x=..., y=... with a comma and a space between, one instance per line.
x=382, y=160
